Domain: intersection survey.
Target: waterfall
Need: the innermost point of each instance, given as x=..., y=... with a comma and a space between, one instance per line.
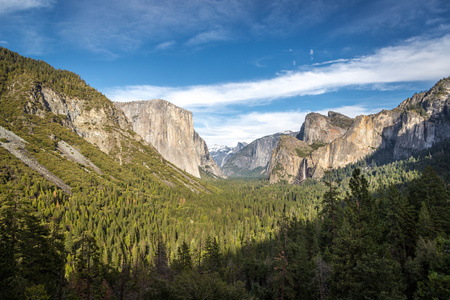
x=304, y=169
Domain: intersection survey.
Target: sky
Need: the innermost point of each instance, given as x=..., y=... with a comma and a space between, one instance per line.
x=245, y=69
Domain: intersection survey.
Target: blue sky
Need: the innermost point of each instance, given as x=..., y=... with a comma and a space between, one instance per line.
x=244, y=68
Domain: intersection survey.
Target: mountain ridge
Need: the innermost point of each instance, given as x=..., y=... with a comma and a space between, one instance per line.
x=414, y=125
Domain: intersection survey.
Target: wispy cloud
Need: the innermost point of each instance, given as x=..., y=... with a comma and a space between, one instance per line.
x=416, y=59
x=248, y=127
x=208, y=37
x=165, y=45
x=8, y=6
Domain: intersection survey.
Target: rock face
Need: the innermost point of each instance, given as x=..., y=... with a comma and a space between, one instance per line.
x=221, y=154
x=416, y=124
x=323, y=130
x=102, y=125
x=253, y=159
x=170, y=130
x=288, y=160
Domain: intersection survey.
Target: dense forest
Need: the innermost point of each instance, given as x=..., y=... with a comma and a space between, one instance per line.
x=377, y=229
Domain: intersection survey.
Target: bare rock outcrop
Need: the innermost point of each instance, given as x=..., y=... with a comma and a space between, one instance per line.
x=324, y=129
x=16, y=146
x=170, y=129
x=102, y=125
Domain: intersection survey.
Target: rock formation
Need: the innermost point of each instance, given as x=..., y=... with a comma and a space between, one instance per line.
x=102, y=125
x=170, y=130
x=288, y=160
x=323, y=130
x=416, y=124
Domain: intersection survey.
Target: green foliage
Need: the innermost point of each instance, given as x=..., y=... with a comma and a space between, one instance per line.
x=302, y=152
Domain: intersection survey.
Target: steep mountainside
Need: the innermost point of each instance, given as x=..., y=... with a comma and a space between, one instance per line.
x=287, y=162
x=64, y=127
x=253, y=159
x=170, y=129
x=221, y=154
x=416, y=124
x=323, y=130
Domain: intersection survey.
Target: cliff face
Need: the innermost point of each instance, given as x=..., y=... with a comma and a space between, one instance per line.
x=288, y=161
x=253, y=159
x=170, y=130
x=102, y=125
x=323, y=129
x=416, y=124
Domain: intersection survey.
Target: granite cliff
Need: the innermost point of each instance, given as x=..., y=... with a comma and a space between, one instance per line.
x=321, y=129
x=102, y=125
x=170, y=129
x=416, y=124
x=287, y=162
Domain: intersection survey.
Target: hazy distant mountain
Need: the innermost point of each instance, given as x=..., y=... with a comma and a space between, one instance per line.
x=221, y=154
x=253, y=159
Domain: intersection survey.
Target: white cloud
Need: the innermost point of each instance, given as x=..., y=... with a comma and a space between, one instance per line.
x=8, y=6
x=165, y=45
x=416, y=59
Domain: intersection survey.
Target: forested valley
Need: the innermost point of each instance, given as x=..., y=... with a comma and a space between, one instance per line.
x=140, y=229
x=364, y=232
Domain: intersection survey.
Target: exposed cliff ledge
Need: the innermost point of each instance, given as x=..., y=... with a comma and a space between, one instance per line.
x=170, y=129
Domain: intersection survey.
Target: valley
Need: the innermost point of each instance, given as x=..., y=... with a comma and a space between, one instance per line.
x=108, y=200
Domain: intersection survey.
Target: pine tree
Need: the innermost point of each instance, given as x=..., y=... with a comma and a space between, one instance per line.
x=330, y=214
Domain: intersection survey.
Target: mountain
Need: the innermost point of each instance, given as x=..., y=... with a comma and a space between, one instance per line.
x=253, y=159
x=286, y=158
x=416, y=124
x=170, y=129
x=321, y=129
x=221, y=154
x=59, y=126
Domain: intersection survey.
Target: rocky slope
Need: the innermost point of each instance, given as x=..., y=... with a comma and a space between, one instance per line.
x=221, y=154
x=416, y=124
x=170, y=129
x=253, y=159
x=66, y=129
x=102, y=125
